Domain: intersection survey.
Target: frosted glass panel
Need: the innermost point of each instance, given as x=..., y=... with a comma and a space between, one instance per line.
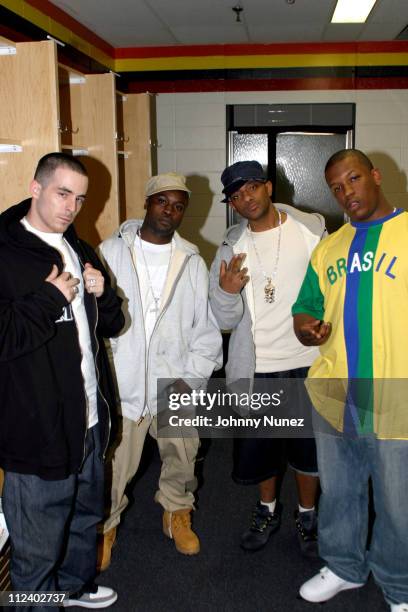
x=300, y=162
x=246, y=147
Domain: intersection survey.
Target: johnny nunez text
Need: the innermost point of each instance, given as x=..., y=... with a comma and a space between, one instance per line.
x=231, y=421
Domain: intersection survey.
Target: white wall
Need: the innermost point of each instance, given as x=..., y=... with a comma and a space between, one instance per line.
x=191, y=130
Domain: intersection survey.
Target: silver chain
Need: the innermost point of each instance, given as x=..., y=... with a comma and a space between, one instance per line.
x=269, y=289
x=156, y=299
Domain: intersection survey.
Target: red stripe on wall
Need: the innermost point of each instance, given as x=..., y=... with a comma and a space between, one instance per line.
x=272, y=49
x=219, y=85
x=57, y=14
x=13, y=35
x=207, y=85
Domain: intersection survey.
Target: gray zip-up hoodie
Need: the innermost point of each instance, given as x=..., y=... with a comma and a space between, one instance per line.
x=186, y=341
x=235, y=311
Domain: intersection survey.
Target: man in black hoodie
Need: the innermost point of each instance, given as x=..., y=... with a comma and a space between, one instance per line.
x=56, y=306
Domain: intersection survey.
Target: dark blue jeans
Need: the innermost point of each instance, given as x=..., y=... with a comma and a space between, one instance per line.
x=52, y=525
x=345, y=466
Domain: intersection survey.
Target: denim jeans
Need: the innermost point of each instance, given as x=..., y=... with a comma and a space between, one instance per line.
x=52, y=525
x=345, y=466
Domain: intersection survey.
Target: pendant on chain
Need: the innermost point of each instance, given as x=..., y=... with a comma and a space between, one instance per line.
x=269, y=291
x=156, y=308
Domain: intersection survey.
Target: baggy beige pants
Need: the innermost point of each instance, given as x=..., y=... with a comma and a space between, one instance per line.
x=177, y=481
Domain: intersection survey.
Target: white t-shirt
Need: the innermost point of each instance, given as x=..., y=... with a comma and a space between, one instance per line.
x=72, y=265
x=152, y=280
x=156, y=257
x=276, y=347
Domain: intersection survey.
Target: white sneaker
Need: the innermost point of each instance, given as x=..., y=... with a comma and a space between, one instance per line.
x=402, y=607
x=324, y=586
x=100, y=597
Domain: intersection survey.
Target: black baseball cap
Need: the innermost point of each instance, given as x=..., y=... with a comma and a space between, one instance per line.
x=240, y=173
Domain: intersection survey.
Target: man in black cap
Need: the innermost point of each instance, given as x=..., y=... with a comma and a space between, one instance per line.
x=255, y=303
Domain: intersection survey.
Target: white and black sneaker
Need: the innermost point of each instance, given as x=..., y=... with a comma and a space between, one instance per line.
x=97, y=597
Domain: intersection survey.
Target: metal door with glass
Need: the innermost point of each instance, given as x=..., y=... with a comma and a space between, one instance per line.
x=293, y=159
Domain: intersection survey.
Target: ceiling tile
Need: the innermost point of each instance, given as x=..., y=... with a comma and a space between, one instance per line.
x=341, y=32
x=124, y=23
x=268, y=33
x=202, y=35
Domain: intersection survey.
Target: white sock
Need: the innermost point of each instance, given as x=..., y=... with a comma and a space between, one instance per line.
x=302, y=509
x=270, y=505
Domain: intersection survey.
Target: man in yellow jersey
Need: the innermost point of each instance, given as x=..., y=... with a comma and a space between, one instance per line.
x=352, y=304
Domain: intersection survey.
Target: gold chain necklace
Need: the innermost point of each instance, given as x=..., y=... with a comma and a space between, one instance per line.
x=270, y=288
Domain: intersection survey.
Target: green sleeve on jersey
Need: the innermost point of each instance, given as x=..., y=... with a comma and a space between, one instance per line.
x=310, y=299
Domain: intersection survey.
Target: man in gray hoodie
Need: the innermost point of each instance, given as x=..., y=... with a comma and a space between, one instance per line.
x=170, y=333
x=254, y=302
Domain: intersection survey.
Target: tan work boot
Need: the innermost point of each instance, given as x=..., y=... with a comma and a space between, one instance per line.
x=105, y=549
x=177, y=526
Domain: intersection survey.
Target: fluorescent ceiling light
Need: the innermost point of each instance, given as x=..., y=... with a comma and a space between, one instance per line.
x=352, y=11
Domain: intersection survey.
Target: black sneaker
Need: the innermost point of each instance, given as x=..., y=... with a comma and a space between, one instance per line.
x=306, y=525
x=263, y=525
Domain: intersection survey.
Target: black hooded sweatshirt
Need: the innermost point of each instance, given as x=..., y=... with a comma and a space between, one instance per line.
x=43, y=408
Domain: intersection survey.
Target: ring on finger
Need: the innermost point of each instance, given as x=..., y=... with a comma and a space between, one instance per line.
x=76, y=290
x=92, y=282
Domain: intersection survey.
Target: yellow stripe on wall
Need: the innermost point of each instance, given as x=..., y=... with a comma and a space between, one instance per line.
x=262, y=61
x=58, y=31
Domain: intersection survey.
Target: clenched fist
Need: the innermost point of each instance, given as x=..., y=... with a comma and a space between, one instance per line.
x=93, y=280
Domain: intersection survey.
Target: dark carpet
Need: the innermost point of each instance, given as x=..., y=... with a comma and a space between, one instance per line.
x=151, y=576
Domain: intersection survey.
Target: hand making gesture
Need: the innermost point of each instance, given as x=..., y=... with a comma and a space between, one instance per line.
x=232, y=277
x=64, y=281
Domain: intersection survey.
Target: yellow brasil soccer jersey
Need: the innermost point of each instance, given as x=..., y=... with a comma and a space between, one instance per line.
x=357, y=280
